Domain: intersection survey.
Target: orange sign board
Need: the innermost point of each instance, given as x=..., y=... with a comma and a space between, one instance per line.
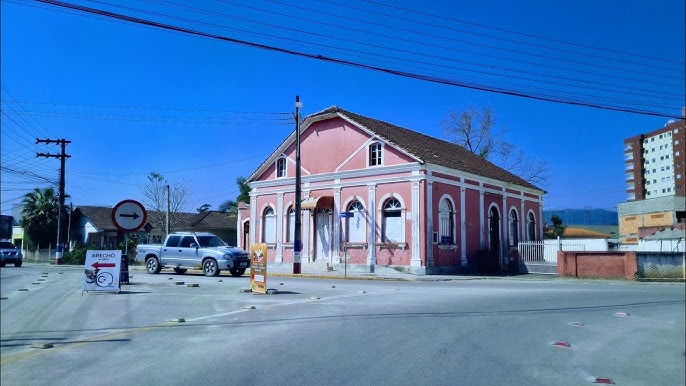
x=258, y=268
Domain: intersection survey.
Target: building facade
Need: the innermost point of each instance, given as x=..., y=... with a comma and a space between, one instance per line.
x=412, y=201
x=655, y=162
x=655, y=166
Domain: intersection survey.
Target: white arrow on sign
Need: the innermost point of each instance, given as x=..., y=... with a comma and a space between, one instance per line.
x=129, y=215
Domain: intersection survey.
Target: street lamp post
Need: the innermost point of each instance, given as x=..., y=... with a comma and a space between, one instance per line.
x=297, y=238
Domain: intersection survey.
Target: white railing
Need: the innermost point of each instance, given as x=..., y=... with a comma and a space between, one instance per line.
x=545, y=251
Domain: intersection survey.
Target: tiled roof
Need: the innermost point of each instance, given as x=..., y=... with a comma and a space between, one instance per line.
x=212, y=219
x=101, y=217
x=429, y=149
x=572, y=232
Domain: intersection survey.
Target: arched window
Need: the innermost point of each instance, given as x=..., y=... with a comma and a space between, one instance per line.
x=375, y=154
x=356, y=225
x=513, y=234
x=290, y=236
x=269, y=226
x=281, y=167
x=445, y=222
x=532, y=227
x=392, y=224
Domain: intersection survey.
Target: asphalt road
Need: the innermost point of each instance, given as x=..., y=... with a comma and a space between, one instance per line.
x=325, y=331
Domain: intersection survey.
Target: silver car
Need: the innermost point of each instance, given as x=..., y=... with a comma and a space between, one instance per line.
x=9, y=254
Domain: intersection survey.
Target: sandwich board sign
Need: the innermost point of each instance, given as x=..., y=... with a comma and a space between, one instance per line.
x=102, y=271
x=258, y=268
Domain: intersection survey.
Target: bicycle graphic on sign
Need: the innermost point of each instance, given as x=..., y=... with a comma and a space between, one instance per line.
x=101, y=279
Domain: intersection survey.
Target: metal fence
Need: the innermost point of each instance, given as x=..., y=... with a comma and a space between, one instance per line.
x=545, y=251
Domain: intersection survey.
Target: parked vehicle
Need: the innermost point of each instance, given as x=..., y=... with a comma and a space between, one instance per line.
x=188, y=250
x=9, y=254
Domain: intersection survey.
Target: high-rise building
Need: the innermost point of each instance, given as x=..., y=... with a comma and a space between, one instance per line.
x=655, y=181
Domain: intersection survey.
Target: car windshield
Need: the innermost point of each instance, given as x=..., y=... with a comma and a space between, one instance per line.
x=6, y=245
x=210, y=241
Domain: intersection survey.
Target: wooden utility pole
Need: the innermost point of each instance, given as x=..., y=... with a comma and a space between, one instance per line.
x=63, y=157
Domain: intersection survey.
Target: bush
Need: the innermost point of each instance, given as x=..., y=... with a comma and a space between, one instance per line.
x=77, y=256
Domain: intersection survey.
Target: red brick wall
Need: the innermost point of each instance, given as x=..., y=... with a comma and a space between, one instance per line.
x=611, y=265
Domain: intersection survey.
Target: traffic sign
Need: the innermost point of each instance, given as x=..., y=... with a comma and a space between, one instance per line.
x=129, y=215
x=347, y=214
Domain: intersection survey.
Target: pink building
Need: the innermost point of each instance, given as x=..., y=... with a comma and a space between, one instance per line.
x=419, y=203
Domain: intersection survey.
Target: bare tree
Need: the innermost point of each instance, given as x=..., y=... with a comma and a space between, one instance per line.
x=157, y=195
x=475, y=130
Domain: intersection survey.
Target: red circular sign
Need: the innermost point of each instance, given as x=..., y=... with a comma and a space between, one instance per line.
x=129, y=215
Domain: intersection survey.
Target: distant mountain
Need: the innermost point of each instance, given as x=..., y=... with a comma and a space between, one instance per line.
x=583, y=216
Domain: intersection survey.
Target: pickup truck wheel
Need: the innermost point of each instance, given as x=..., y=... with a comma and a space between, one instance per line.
x=17, y=264
x=180, y=271
x=209, y=267
x=237, y=272
x=152, y=265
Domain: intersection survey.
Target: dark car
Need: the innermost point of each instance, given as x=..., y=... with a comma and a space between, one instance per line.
x=9, y=254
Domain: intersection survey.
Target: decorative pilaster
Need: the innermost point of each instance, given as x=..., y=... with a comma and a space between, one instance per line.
x=429, y=224
x=335, y=255
x=371, y=196
x=255, y=220
x=482, y=216
x=463, y=227
x=279, y=228
x=416, y=259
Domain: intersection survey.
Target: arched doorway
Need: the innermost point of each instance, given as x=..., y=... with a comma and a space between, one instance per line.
x=494, y=229
x=322, y=223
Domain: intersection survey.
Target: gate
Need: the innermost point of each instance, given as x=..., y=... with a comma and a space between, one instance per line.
x=541, y=256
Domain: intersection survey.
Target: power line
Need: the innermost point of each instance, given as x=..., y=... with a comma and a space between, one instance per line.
x=401, y=73
x=521, y=34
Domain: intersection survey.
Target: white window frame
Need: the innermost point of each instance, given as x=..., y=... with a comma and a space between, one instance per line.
x=281, y=172
x=513, y=227
x=446, y=222
x=377, y=148
x=392, y=226
x=356, y=226
x=269, y=225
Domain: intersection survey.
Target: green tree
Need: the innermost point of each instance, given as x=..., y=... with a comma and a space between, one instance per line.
x=39, y=217
x=244, y=189
x=558, y=228
x=228, y=206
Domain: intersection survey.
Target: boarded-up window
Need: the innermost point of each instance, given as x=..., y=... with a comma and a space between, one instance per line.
x=269, y=235
x=392, y=224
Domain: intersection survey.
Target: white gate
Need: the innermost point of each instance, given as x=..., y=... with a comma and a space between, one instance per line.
x=541, y=256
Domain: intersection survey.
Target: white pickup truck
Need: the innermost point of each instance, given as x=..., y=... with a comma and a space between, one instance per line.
x=189, y=250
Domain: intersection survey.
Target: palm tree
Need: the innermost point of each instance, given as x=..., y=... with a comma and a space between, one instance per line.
x=39, y=216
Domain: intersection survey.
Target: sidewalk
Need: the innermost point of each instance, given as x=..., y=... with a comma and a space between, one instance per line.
x=385, y=273
x=380, y=273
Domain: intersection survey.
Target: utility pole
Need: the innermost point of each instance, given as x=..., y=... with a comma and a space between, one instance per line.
x=63, y=157
x=168, y=206
x=297, y=238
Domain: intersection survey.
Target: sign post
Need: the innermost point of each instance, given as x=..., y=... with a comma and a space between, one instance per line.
x=345, y=244
x=102, y=271
x=258, y=268
x=128, y=216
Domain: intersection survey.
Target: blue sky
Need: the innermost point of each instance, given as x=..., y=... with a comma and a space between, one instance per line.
x=135, y=99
